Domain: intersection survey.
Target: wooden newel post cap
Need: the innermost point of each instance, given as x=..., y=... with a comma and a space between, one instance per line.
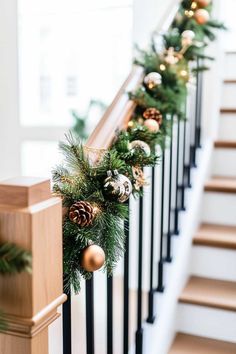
x=24, y=191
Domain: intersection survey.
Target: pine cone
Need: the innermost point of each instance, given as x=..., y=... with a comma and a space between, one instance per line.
x=81, y=213
x=153, y=113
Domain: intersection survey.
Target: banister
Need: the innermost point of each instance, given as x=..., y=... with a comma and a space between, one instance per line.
x=121, y=109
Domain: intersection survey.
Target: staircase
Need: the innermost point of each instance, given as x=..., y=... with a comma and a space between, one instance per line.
x=206, y=316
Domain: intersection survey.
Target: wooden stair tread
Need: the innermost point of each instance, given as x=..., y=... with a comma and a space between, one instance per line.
x=186, y=344
x=216, y=236
x=228, y=110
x=221, y=184
x=225, y=144
x=214, y=293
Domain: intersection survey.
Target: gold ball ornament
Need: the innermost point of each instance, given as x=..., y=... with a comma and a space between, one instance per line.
x=92, y=258
x=201, y=16
x=152, y=80
x=187, y=38
x=152, y=125
x=203, y=3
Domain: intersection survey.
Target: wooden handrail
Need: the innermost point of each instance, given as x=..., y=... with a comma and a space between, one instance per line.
x=121, y=109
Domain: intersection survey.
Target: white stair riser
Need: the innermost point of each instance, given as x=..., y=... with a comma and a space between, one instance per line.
x=227, y=127
x=212, y=262
x=230, y=67
x=206, y=322
x=229, y=96
x=219, y=208
x=222, y=162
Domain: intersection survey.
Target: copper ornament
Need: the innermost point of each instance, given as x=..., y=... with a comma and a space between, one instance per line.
x=203, y=3
x=92, y=258
x=201, y=16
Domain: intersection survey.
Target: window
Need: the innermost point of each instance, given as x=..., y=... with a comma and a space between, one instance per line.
x=69, y=53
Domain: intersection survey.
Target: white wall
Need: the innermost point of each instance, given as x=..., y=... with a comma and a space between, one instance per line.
x=149, y=15
x=9, y=148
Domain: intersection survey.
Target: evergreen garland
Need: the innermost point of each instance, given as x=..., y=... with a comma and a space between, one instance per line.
x=91, y=215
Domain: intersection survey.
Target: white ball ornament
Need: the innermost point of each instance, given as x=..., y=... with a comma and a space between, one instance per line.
x=187, y=37
x=152, y=80
x=152, y=125
x=139, y=146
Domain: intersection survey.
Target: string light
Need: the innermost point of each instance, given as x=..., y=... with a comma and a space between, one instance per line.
x=193, y=5
x=183, y=73
x=130, y=124
x=162, y=67
x=189, y=13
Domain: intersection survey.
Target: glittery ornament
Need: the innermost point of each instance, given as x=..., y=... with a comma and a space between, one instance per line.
x=140, y=147
x=117, y=187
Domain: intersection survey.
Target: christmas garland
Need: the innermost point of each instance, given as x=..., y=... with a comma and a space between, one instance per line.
x=95, y=185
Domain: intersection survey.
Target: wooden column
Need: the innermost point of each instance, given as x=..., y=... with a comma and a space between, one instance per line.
x=31, y=218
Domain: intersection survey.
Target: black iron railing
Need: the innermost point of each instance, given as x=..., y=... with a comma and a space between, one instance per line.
x=177, y=160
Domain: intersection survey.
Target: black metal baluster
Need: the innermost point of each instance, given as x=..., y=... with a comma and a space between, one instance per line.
x=196, y=118
x=176, y=225
x=90, y=315
x=184, y=179
x=109, y=315
x=185, y=176
x=160, y=286
x=66, y=311
x=188, y=165
x=126, y=292
x=151, y=316
x=200, y=86
x=169, y=231
x=139, y=332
